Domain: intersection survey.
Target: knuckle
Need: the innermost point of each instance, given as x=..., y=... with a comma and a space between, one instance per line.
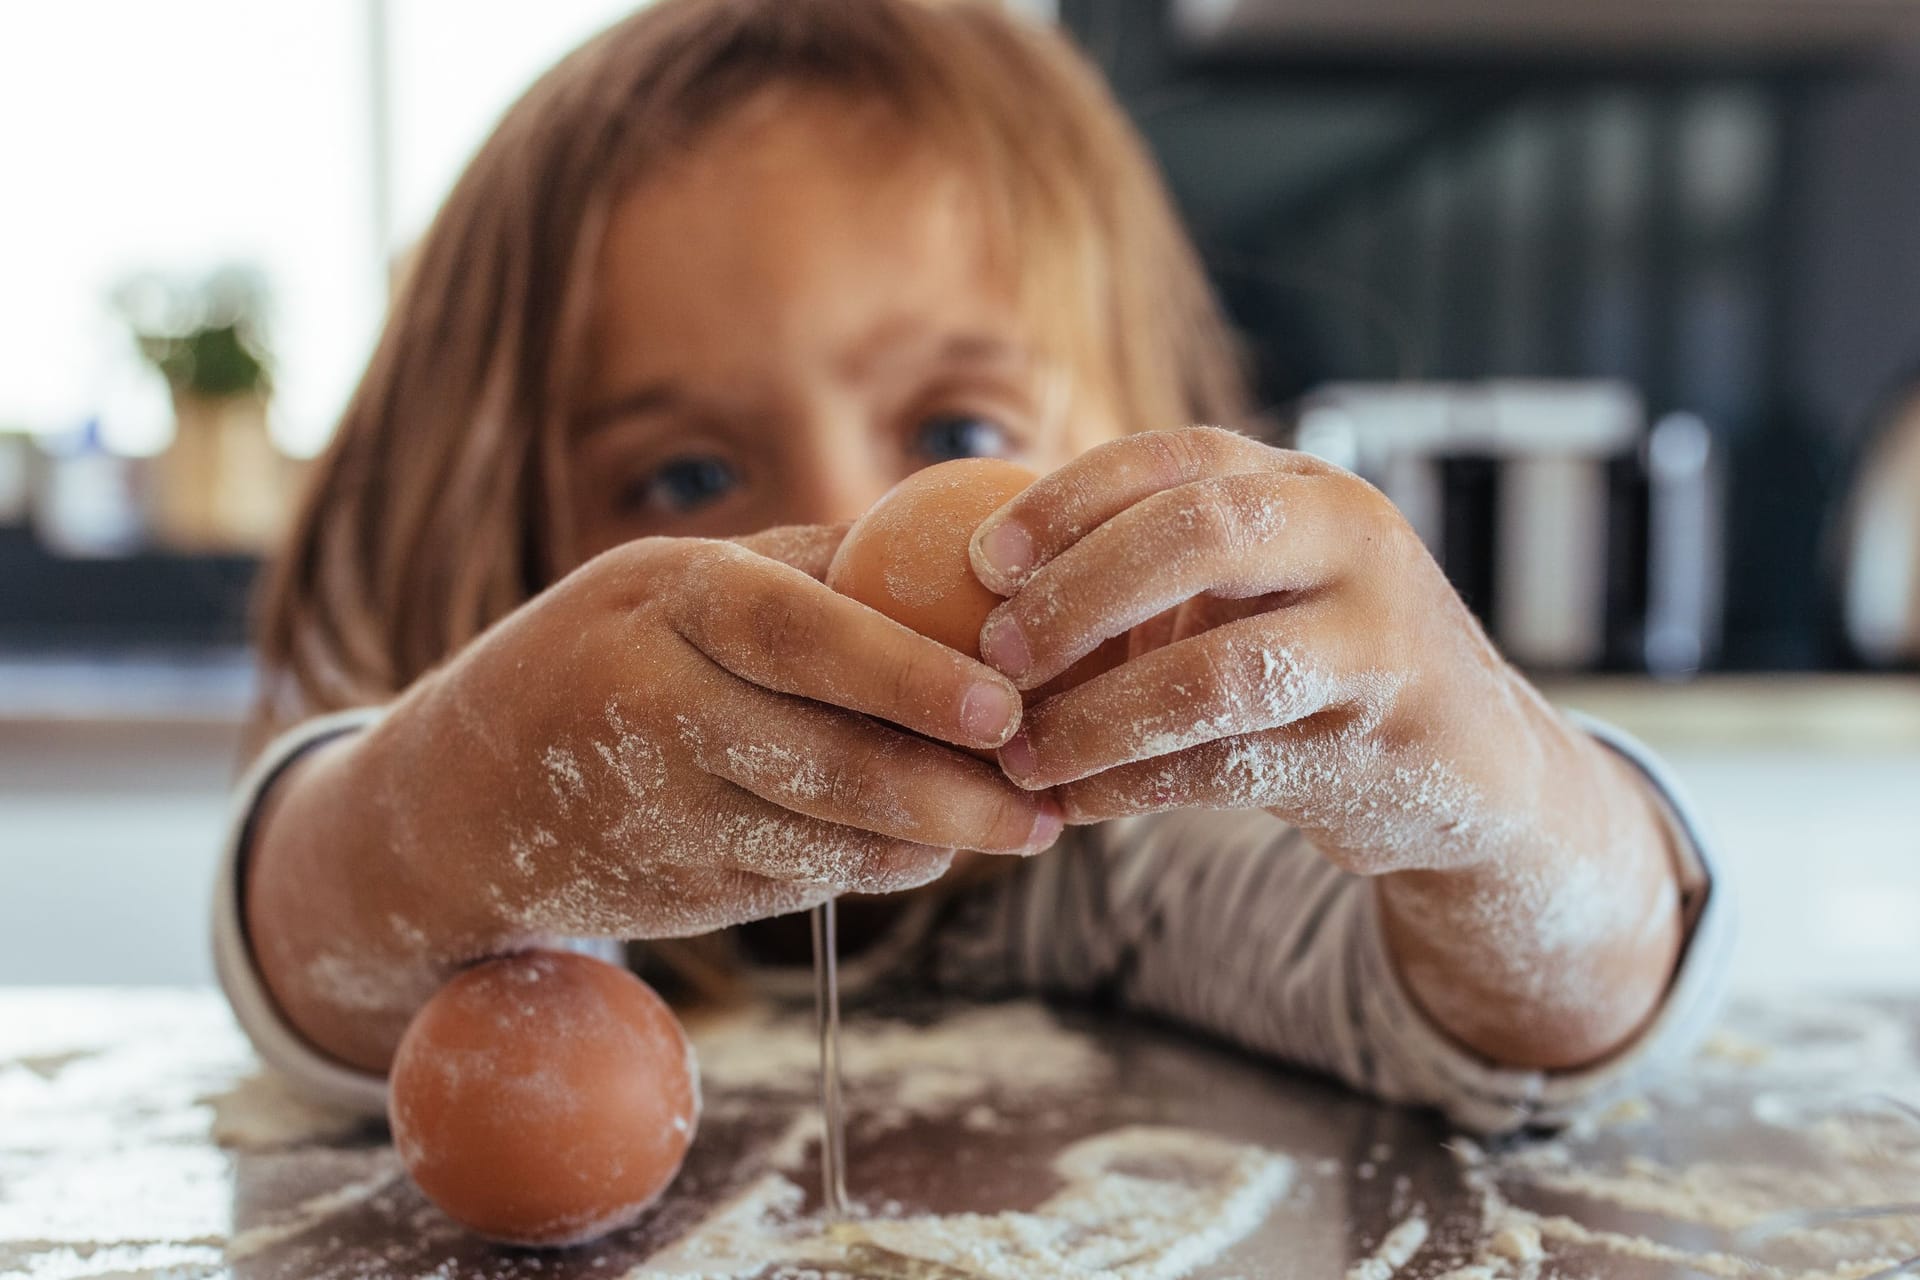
x=624, y=575
x=775, y=615
x=1221, y=681
x=1213, y=518
x=850, y=785
x=1174, y=457
x=910, y=676
x=1371, y=511
x=1300, y=463
x=1360, y=497
x=702, y=567
x=1012, y=822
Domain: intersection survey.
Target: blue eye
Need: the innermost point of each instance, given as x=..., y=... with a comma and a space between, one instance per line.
x=960, y=435
x=683, y=485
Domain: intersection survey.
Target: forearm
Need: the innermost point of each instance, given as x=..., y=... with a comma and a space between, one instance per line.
x=349, y=927
x=1552, y=952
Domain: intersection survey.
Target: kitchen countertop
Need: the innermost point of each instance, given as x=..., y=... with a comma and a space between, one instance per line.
x=211, y=688
x=137, y=1137
x=1843, y=714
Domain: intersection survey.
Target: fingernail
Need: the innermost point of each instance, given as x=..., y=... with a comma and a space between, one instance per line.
x=1016, y=756
x=1047, y=824
x=989, y=712
x=1003, y=648
x=1007, y=549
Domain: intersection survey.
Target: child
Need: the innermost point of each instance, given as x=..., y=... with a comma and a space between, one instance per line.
x=720, y=279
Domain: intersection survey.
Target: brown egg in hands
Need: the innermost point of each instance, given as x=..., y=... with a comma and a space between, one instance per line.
x=907, y=558
x=545, y=1098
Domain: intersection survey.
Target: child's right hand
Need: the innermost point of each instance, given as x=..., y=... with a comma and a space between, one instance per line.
x=686, y=734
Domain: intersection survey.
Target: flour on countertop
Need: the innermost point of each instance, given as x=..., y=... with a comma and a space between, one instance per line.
x=1015, y=1048
x=315, y=1210
x=124, y=1261
x=1139, y=1203
x=260, y=1111
x=1393, y=1252
x=1795, y=1214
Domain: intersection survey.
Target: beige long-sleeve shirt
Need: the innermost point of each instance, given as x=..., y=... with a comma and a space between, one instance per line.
x=1228, y=922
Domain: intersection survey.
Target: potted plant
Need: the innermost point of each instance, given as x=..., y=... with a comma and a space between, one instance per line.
x=221, y=484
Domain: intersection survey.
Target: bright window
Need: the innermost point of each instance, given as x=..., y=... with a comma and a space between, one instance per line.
x=181, y=136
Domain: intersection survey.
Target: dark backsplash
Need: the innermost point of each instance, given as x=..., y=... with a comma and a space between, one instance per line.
x=152, y=600
x=1740, y=242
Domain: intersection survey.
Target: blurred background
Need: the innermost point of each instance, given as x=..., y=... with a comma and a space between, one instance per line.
x=1620, y=303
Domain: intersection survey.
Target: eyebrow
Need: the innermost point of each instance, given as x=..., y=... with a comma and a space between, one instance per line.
x=649, y=398
x=958, y=348
x=656, y=397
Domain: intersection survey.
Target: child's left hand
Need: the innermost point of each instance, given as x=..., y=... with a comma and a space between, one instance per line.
x=1294, y=647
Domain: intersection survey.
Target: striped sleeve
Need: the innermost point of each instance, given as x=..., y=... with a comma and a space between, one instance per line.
x=1234, y=924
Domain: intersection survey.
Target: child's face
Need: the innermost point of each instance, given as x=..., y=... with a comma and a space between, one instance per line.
x=792, y=318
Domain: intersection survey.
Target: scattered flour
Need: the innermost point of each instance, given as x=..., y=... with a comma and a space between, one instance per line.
x=1731, y=1047
x=1628, y=1112
x=1137, y=1203
x=1516, y=1242
x=311, y=1213
x=743, y=1237
x=1393, y=1252
x=564, y=777
x=1771, y=1220
x=261, y=1111
x=653, y=812
x=788, y=1152
x=923, y=1070
x=128, y=1261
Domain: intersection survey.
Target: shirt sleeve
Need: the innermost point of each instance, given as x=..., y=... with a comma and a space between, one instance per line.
x=1234, y=924
x=315, y=1075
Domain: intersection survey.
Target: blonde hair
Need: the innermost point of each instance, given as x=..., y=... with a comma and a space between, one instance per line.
x=440, y=505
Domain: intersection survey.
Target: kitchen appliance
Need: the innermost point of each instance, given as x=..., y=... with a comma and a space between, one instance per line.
x=1881, y=595
x=1583, y=539
x=1795, y=29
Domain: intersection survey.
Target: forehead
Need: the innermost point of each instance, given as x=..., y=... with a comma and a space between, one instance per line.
x=796, y=225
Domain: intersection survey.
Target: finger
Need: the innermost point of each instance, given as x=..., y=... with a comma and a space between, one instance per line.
x=1237, y=535
x=846, y=770
x=700, y=900
x=771, y=625
x=1274, y=770
x=1059, y=509
x=807, y=547
x=809, y=856
x=1240, y=678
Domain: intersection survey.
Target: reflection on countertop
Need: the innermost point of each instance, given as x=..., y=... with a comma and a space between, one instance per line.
x=148, y=1141
x=187, y=687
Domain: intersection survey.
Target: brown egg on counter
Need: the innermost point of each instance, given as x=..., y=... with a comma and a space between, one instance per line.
x=907, y=558
x=545, y=1098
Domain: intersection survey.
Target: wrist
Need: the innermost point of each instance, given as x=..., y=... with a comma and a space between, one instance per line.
x=416, y=783
x=328, y=923
x=1553, y=953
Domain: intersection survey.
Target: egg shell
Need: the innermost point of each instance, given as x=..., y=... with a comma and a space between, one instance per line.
x=544, y=1098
